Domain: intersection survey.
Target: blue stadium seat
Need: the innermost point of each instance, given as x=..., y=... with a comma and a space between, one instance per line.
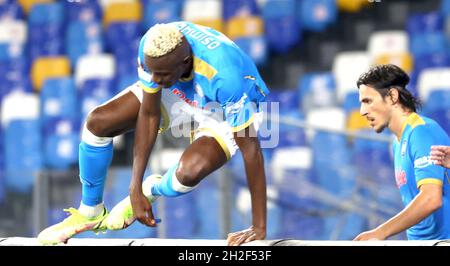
x=287, y=99
x=425, y=22
x=439, y=99
x=83, y=38
x=121, y=35
x=445, y=7
x=160, y=12
x=274, y=9
x=45, y=40
x=10, y=10
x=255, y=47
x=351, y=102
x=85, y=11
x=316, y=15
x=58, y=100
x=431, y=60
x=207, y=198
x=22, y=154
x=2, y=167
x=236, y=8
x=61, y=152
x=316, y=90
x=282, y=33
x=46, y=13
x=428, y=43
x=182, y=220
x=442, y=117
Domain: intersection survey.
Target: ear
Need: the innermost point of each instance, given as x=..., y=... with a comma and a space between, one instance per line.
x=394, y=95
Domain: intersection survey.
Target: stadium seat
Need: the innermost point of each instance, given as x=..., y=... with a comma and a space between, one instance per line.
x=121, y=12
x=22, y=154
x=193, y=10
x=432, y=22
x=402, y=60
x=351, y=102
x=13, y=37
x=255, y=47
x=428, y=43
x=437, y=99
x=49, y=67
x=28, y=4
x=317, y=90
x=208, y=207
x=275, y=9
x=239, y=8
x=58, y=99
x=47, y=13
x=431, y=61
x=19, y=105
x=83, y=38
x=432, y=79
x=442, y=117
x=239, y=27
x=286, y=99
x=352, y=6
x=83, y=11
x=10, y=10
x=15, y=77
x=282, y=33
x=61, y=144
x=94, y=66
x=317, y=15
x=355, y=121
x=388, y=42
x=181, y=218
x=347, y=67
x=161, y=12
x=331, y=118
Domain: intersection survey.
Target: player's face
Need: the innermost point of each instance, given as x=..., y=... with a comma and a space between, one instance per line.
x=374, y=108
x=166, y=70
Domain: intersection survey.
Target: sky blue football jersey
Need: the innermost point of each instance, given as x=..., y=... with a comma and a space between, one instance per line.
x=223, y=74
x=414, y=168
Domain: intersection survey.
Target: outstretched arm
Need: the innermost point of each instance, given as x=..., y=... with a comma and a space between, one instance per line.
x=256, y=179
x=147, y=125
x=441, y=155
x=426, y=202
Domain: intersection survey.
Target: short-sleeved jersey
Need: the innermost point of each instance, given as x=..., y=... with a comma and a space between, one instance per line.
x=222, y=73
x=414, y=168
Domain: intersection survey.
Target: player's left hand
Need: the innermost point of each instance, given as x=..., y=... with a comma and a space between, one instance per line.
x=374, y=234
x=245, y=236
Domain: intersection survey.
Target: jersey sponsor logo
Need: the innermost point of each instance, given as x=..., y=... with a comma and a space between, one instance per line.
x=208, y=40
x=183, y=97
x=400, y=177
x=423, y=162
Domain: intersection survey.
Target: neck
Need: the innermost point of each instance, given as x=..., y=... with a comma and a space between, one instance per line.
x=398, y=121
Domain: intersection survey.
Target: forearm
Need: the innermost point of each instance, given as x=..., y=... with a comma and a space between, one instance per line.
x=418, y=209
x=254, y=165
x=145, y=137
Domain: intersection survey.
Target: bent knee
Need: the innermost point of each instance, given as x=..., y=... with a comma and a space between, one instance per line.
x=96, y=123
x=189, y=174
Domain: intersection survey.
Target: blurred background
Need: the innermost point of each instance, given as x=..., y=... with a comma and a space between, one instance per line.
x=329, y=178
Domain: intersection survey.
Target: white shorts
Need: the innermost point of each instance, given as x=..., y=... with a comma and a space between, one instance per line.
x=175, y=112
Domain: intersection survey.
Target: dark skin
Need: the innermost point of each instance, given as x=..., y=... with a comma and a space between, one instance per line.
x=200, y=159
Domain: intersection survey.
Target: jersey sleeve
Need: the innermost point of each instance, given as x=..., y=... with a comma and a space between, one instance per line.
x=425, y=172
x=237, y=106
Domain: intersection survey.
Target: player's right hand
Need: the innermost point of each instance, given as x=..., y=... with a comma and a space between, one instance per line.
x=142, y=209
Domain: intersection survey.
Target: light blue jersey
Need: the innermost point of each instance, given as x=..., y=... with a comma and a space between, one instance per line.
x=222, y=74
x=413, y=168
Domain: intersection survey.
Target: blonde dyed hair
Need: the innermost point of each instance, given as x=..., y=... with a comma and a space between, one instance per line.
x=162, y=39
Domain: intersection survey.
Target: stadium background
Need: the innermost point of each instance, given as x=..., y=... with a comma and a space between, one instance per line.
x=328, y=179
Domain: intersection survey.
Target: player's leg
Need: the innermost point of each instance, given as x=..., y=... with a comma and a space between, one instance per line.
x=95, y=153
x=207, y=153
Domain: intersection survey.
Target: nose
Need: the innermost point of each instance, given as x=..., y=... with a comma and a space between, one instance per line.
x=363, y=110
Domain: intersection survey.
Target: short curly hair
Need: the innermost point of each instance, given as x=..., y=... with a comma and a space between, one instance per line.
x=162, y=39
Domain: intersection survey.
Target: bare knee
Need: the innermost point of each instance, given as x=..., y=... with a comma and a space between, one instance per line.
x=189, y=173
x=97, y=123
